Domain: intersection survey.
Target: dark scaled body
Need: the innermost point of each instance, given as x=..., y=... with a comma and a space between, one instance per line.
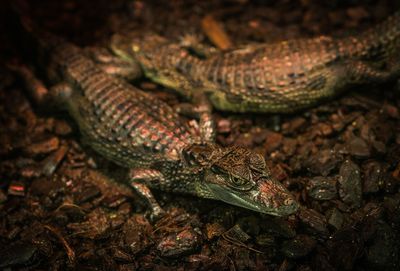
x=279, y=77
x=145, y=135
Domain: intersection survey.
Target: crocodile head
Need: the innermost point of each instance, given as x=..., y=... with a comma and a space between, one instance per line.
x=155, y=55
x=140, y=48
x=240, y=177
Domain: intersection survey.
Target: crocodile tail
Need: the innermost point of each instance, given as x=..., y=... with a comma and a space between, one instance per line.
x=379, y=42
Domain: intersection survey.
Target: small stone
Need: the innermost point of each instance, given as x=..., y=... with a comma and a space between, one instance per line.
x=265, y=240
x=137, y=230
x=322, y=188
x=344, y=248
x=323, y=162
x=357, y=13
x=335, y=218
x=214, y=230
x=245, y=140
x=313, y=220
x=350, y=184
x=224, y=126
x=293, y=125
x=373, y=177
x=273, y=141
x=179, y=244
x=236, y=233
x=325, y=129
x=148, y=86
x=43, y=147
x=298, y=247
x=121, y=256
x=279, y=172
x=289, y=146
x=259, y=135
x=96, y=225
x=62, y=128
x=358, y=148
x=391, y=111
x=384, y=252
x=3, y=196
x=87, y=193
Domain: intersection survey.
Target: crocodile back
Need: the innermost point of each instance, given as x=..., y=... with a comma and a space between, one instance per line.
x=118, y=120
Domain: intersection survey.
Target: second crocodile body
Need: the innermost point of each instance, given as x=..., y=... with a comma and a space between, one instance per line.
x=280, y=77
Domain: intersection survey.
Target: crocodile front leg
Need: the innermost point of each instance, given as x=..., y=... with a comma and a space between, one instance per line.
x=202, y=111
x=139, y=179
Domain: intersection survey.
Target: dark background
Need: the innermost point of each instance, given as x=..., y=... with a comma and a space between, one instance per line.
x=79, y=219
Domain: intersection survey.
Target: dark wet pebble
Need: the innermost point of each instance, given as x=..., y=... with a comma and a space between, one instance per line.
x=323, y=162
x=43, y=147
x=325, y=129
x=259, y=135
x=350, y=184
x=62, y=128
x=224, y=126
x=335, y=218
x=293, y=125
x=298, y=247
x=374, y=175
x=245, y=140
x=3, y=196
x=96, y=225
x=121, y=255
x=392, y=111
x=322, y=188
x=278, y=227
x=345, y=247
x=273, y=140
x=214, y=230
x=87, y=193
x=137, y=231
x=179, y=244
x=266, y=240
x=17, y=254
x=46, y=187
x=358, y=148
x=314, y=221
x=357, y=13
x=236, y=233
x=289, y=146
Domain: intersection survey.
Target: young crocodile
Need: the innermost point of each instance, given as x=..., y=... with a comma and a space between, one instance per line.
x=279, y=77
x=137, y=131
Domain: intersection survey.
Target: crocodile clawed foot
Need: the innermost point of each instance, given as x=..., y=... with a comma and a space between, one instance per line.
x=155, y=214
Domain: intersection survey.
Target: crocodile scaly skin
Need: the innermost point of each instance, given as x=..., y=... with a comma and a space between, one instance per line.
x=279, y=77
x=139, y=132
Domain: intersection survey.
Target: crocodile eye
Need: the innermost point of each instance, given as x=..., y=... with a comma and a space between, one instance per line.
x=217, y=170
x=240, y=183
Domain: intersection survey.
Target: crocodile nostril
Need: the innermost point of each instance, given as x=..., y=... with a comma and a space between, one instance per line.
x=288, y=202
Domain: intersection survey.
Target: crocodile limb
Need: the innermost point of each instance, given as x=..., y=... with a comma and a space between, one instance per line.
x=143, y=134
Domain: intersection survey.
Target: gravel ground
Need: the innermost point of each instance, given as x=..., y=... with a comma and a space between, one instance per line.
x=341, y=159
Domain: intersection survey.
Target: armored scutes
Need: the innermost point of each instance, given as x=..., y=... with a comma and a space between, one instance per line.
x=279, y=77
x=139, y=132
